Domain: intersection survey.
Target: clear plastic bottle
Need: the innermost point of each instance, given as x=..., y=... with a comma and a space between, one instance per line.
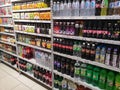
x=65, y=8
x=73, y=8
x=61, y=8
x=58, y=9
x=77, y=7
x=92, y=8
x=54, y=8
x=69, y=5
x=82, y=8
x=87, y=8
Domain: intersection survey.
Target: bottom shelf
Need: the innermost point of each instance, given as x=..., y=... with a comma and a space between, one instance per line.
x=13, y=66
x=76, y=81
x=31, y=75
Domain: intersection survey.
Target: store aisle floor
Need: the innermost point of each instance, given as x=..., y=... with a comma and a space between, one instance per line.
x=12, y=80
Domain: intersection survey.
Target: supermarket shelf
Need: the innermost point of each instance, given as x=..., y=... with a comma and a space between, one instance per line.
x=77, y=81
x=31, y=10
x=8, y=52
x=7, y=33
x=31, y=75
x=6, y=5
x=35, y=47
x=8, y=43
x=35, y=34
x=89, y=62
x=2, y=16
x=1, y=25
x=33, y=21
x=88, y=39
x=13, y=66
x=33, y=61
x=86, y=17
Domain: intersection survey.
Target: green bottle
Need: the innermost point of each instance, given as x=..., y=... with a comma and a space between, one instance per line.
x=83, y=70
x=110, y=81
x=89, y=73
x=102, y=78
x=96, y=75
x=77, y=70
x=104, y=7
x=117, y=82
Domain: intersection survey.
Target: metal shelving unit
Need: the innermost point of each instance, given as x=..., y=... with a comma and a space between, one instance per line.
x=32, y=61
x=5, y=16
x=6, y=5
x=2, y=25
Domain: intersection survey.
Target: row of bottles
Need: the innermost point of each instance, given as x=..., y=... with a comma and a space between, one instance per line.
x=36, y=41
x=40, y=57
x=86, y=7
x=33, y=28
x=64, y=65
x=8, y=48
x=37, y=72
x=94, y=75
x=8, y=58
x=98, y=52
x=43, y=58
x=102, y=29
x=61, y=83
x=43, y=75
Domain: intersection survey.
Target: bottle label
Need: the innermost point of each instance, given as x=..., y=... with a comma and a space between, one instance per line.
x=83, y=72
x=77, y=71
x=97, y=5
x=95, y=76
x=102, y=79
x=110, y=82
x=89, y=73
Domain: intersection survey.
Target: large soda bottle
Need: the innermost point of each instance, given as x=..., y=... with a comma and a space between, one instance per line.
x=92, y=8
x=87, y=8
x=77, y=28
x=88, y=51
x=75, y=48
x=96, y=75
x=83, y=72
x=89, y=73
x=97, y=55
x=82, y=8
x=104, y=7
x=108, y=56
x=102, y=54
x=114, y=57
x=83, y=54
x=77, y=70
x=110, y=81
x=92, y=52
x=98, y=7
x=116, y=4
x=102, y=78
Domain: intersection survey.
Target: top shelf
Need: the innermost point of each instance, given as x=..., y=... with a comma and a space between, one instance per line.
x=32, y=10
x=6, y=5
x=86, y=17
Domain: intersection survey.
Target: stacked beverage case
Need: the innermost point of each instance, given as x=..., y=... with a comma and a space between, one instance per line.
x=86, y=7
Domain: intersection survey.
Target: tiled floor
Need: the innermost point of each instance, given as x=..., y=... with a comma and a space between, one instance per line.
x=12, y=80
